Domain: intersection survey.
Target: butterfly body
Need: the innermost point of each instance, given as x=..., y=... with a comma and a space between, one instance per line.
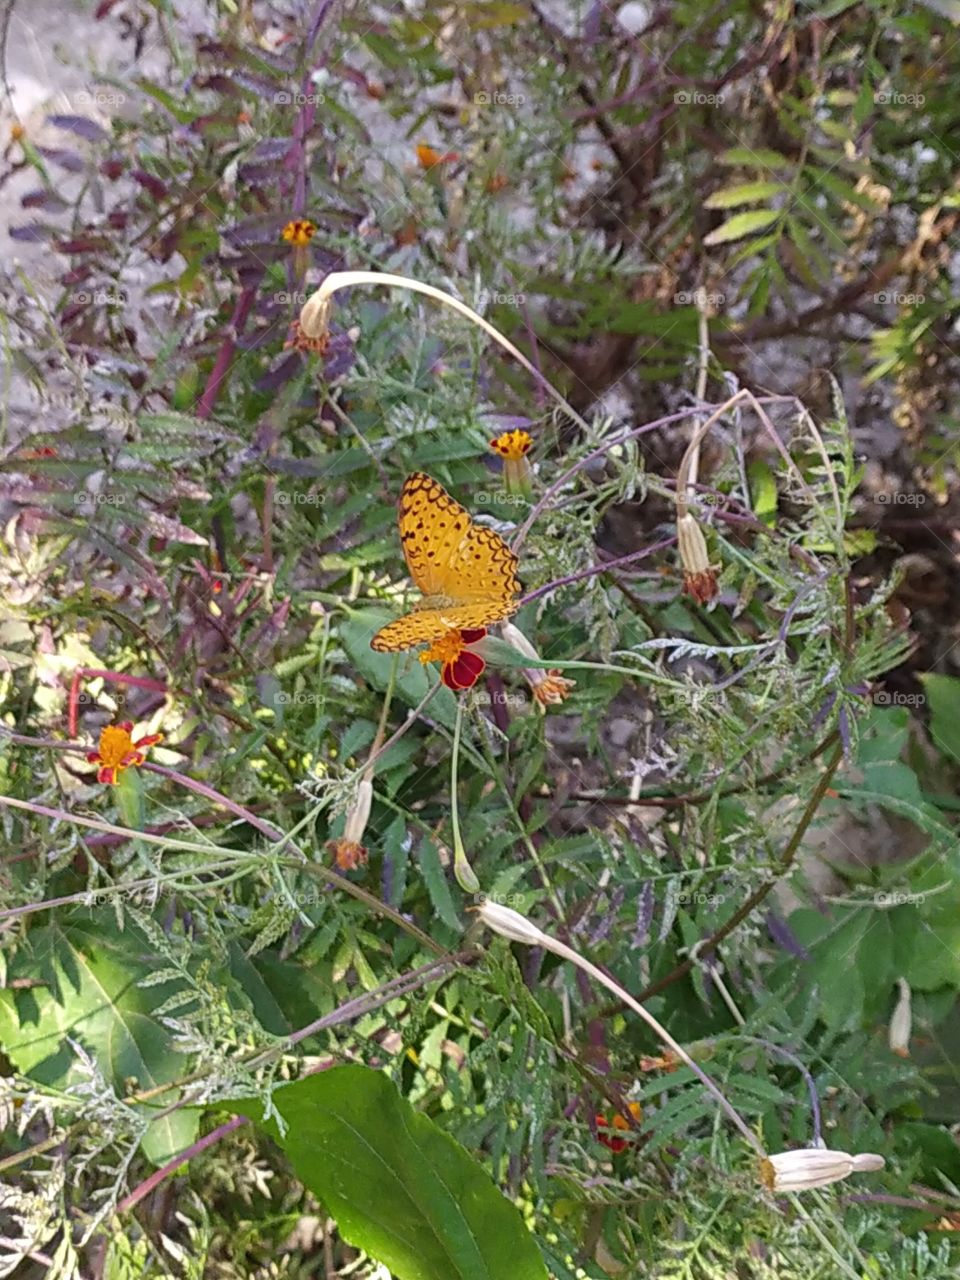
x=466, y=572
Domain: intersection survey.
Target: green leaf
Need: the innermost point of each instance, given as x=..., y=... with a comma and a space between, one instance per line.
x=742, y=224
x=90, y=972
x=413, y=679
x=743, y=193
x=943, y=695
x=762, y=158
x=763, y=491
x=399, y=1187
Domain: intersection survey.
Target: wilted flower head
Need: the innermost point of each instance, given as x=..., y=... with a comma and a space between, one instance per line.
x=348, y=852
x=699, y=575
x=312, y=331
x=810, y=1167
x=549, y=688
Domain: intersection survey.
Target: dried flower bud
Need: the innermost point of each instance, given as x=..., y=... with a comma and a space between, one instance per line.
x=312, y=331
x=811, y=1167
x=510, y=924
x=549, y=688
x=699, y=575
x=348, y=852
x=901, y=1023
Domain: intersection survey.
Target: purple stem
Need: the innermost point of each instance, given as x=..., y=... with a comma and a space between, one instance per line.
x=145, y=1187
x=217, y=797
x=221, y=365
x=598, y=568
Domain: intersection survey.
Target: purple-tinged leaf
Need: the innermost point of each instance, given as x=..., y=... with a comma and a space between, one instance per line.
x=149, y=183
x=266, y=89
x=113, y=166
x=288, y=368
x=645, y=905
x=257, y=175
x=42, y=199
x=340, y=358
x=255, y=231
x=83, y=244
x=270, y=149
x=220, y=84
x=69, y=160
x=33, y=232
x=843, y=724
x=601, y=930
x=82, y=126
x=784, y=936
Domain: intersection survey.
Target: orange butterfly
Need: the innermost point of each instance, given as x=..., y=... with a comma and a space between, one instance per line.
x=466, y=572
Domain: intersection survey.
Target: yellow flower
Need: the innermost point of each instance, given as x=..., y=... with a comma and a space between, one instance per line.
x=118, y=751
x=299, y=232
x=462, y=668
x=513, y=447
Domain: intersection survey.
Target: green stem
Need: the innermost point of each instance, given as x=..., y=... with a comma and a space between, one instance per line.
x=466, y=877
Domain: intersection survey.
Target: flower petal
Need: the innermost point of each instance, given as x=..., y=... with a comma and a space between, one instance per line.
x=465, y=671
x=473, y=634
x=107, y=774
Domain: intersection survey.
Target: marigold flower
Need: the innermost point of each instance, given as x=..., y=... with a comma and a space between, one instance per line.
x=462, y=668
x=118, y=751
x=810, y=1167
x=699, y=575
x=513, y=447
x=549, y=688
x=299, y=232
x=428, y=157
x=620, y=1122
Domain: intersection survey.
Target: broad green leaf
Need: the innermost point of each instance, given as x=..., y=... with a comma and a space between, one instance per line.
x=742, y=224
x=399, y=1187
x=743, y=193
x=413, y=680
x=763, y=491
x=943, y=695
x=90, y=972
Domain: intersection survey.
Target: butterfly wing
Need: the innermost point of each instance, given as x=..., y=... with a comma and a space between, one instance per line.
x=447, y=554
x=427, y=625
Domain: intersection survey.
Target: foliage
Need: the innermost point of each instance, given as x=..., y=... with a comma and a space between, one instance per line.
x=200, y=537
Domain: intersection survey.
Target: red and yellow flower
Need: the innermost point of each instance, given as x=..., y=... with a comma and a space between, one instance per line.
x=299, y=232
x=118, y=751
x=513, y=447
x=621, y=1124
x=429, y=157
x=462, y=668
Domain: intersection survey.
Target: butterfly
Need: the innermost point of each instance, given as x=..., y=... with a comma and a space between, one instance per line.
x=466, y=572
